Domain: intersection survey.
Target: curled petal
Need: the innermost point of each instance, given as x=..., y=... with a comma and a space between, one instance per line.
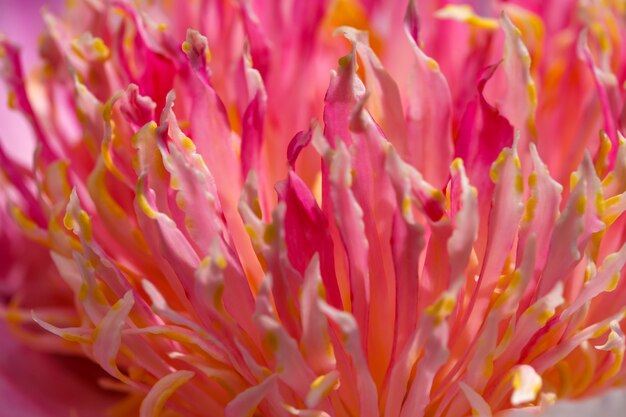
x=247, y=402
x=108, y=336
x=165, y=387
x=315, y=341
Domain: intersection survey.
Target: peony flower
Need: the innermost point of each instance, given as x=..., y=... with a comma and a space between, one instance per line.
x=317, y=208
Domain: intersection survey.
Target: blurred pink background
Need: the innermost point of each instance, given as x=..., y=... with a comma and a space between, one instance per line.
x=25, y=385
x=20, y=21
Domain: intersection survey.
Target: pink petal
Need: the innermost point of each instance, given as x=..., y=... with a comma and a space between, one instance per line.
x=154, y=402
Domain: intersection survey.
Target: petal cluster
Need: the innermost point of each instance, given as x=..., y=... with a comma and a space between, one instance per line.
x=322, y=208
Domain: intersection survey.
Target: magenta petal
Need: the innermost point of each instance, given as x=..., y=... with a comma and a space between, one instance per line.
x=306, y=233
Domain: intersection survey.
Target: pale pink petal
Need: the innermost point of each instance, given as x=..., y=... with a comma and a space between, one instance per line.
x=428, y=116
x=520, y=102
x=610, y=404
x=154, y=402
x=384, y=102
x=479, y=406
x=435, y=354
x=349, y=218
x=526, y=385
x=544, y=199
x=289, y=363
x=315, y=341
x=108, y=336
x=607, y=90
x=321, y=387
x=368, y=397
x=247, y=402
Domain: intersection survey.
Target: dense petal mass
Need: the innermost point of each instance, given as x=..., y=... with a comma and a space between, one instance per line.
x=325, y=208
